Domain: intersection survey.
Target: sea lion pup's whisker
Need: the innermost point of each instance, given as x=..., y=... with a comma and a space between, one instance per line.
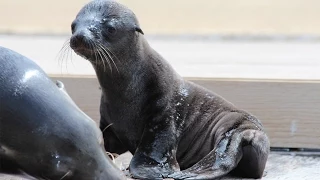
x=70, y=53
x=97, y=48
x=65, y=175
x=95, y=54
x=92, y=47
x=99, y=57
x=106, y=56
x=105, y=59
x=58, y=56
x=64, y=59
x=65, y=55
x=62, y=53
x=61, y=56
x=107, y=51
x=112, y=54
x=102, y=59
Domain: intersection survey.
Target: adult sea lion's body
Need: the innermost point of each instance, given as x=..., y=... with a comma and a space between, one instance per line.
x=169, y=124
x=42, y=132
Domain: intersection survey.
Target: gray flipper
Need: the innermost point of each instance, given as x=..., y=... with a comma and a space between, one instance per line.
x=244, y=151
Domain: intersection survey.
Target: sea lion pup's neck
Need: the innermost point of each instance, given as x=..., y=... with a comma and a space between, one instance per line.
x=139, y=67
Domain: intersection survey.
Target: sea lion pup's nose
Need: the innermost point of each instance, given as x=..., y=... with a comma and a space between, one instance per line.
x=79, y=39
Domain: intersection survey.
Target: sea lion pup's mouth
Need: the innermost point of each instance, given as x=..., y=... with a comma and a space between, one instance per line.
x=81, y=44
x=92, y=50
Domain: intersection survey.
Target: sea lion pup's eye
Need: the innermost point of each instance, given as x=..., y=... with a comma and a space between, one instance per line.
x=111, y=30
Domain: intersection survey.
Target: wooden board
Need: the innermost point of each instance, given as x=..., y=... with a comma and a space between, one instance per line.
x=289, y=110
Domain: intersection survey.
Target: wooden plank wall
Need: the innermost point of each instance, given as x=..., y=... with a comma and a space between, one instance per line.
x=290, y=111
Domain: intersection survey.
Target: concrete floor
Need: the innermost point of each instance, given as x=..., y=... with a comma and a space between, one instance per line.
x=292, y=167
x=279, y=167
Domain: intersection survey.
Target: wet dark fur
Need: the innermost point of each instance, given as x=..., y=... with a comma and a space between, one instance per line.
x=42, y=132
x=166, y=122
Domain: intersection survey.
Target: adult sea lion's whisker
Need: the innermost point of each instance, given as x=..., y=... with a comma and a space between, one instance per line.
x=65, y=175
x=112, y=156
x=107, y=127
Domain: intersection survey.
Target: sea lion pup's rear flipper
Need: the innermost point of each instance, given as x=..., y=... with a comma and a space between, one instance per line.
x=243, y=152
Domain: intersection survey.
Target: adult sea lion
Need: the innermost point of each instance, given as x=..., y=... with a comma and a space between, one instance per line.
x=42, y=132
x=167, y=123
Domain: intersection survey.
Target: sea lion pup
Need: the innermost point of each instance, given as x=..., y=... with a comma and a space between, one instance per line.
x=42, y=132
x=167, y=123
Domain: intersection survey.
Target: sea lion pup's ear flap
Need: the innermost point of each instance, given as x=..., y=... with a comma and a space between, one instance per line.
x=138, y=29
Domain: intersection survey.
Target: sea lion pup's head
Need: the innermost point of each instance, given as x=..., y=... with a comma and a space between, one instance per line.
x=102, y=29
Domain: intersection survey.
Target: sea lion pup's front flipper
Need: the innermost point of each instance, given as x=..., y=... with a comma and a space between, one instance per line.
x=243, y=152
x=155, y=158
